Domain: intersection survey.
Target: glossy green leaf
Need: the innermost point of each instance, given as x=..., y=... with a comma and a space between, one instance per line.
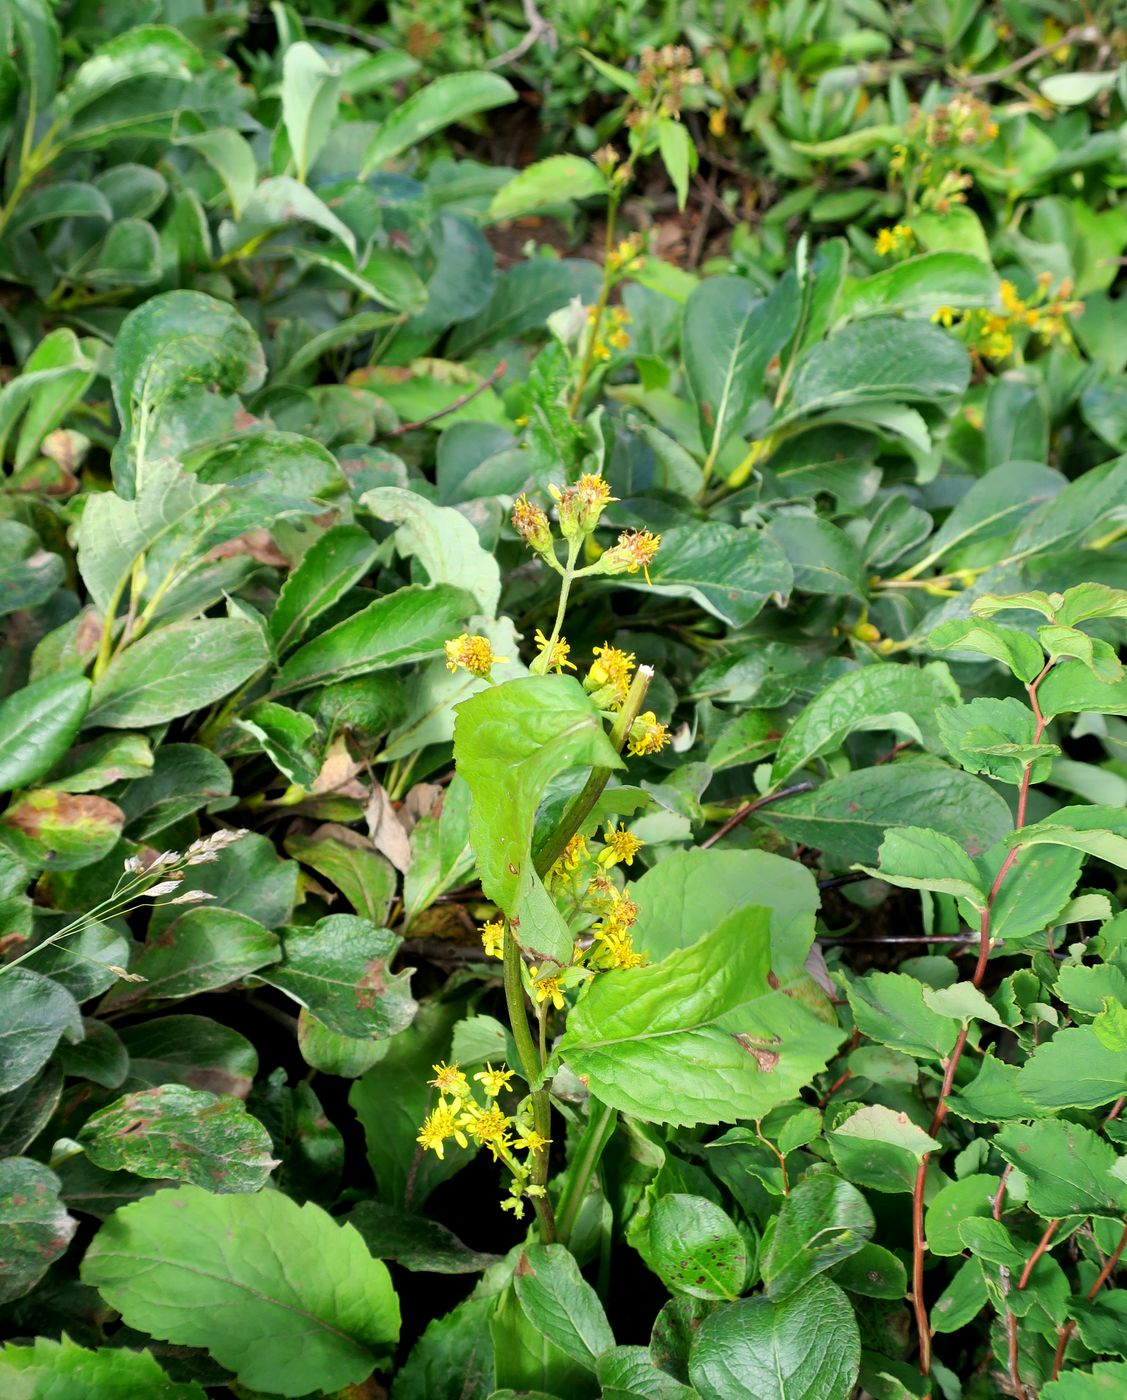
x=823, y=1221
x=915, y=858
x=560, y=1304
x=694, y=1247
x=310, y=92
x=38, y=725
x=339, y=968
x=451, y=98
x=546, y=184
x=803, y=1347
x=333, y=563
x=50, y=1370
x=709, y=1034
x=729, y=572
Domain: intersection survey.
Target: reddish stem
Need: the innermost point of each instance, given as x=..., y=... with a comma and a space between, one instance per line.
x=1101, y=1278
x=1042, y=1244
x=919, y=1244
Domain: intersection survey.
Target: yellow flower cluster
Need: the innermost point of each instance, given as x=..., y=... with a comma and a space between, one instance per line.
x=635, y=550
x=552, y=655
x=626, y=254
x=493, y=938
x=582, y=877
x=647, y=735
x=617, y=336
x=609, y=675
x=889, y=241
x=936, y=145
x=459, y=1117
x=992, y=335
x=474, y=654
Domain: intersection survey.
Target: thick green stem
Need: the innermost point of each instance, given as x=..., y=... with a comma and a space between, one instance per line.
x=584, y=801
x=596, y=1135
x=531, y=1069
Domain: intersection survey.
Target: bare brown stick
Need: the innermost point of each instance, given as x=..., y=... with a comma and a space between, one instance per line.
x=742, y=813
x=1042, y=1244
x=538, y=28
x=1079, y=34
x=459, y=402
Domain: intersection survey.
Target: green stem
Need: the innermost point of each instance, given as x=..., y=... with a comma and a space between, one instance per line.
x=600, y=309
x=531, y=1069
x=569, y=572
x=588, y=1154
x=584, y=801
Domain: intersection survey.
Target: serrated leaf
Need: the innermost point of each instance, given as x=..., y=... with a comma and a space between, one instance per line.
x=916, y=858
x=889, y=1007
x=282, y=1295
x=1068, y=1169
x=50, y=1370
x=705, y=1035
x=1075, y=1069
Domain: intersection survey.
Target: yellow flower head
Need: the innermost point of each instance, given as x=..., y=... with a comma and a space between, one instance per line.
x=548, y=988
x=893, y=240
x=647, y=735
x=573, y=853
x=618, y=918
x=489, y=1127
x=945, y=316
x=494, y=1081
x=441, y=1124
x=474, y=654
x=717, y=120
x=531, y=1141
x=493, y=938
x=611, y=670
x=619, y=846
x=449, y=1079
x=531, y=524
x=1010, y=300
x=556, y=658
x=620, y=952
x=635, y=550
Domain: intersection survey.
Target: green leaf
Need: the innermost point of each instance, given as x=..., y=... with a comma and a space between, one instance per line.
x=963, y=1001
x=546, y=184
x=25, y=1111
x=689, y=893
x=1070, y=687
x=203, y=949
x=191, y=1050
x=629, y=1373
x=804, y=1347
x=440, y=851
x=1100, y=831
x=709, y=1034
x=184, y=778
x=250, y=877
x=36, y=1226
x=824, y=559
x=1068, y=1170
x=418, y=1244
x=391, y=1100
x=282, y=1295
x=962, y=1300
x=310, y=93
x=998, y=738
x=365, y=877
x=99, y=1056
x=181, y=1134
x=904, y=699
x=879, y=1148
x=50, y=1370
x=510, y=743
x=919, y=286
x=915, y=858
x=279, y=202
x=847, y=817
x=230, y=155
x=823, y=1221
x=35, y=1013
x=1099, y=656
x=862, y=141
x=339, y=969
x=873, y=1272
x=333, y=563
x=889, y=1007
x=407, y=625
x=523, y=299
x=38, y=725
x=287, y=737
x=176, y=670
x=560, y=1304
x=105, y=760
x=167, y=350
x=730, y=336
x=442, y=102
x=58, y=830
x=1106, y=1379
x=678, y=155
x=1091, y=600
x=1034, y=893
x=1074, y=1069
x=730, y=573
x=1102, y=1322
x=874, y=360
x=694, y=1247
x=442, y=540
x=1015, y=650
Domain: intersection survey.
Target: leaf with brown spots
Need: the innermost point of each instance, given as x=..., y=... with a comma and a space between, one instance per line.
x=34, y=1225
